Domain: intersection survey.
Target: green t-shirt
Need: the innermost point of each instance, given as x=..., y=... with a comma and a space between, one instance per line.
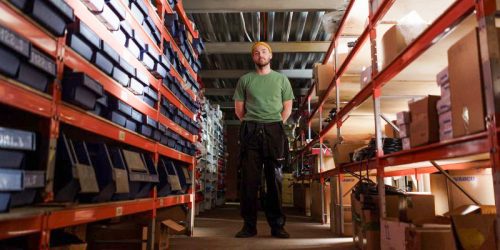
x=263, y=95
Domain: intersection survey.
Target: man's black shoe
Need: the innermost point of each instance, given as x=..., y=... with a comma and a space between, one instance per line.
x=280, y=233
x=246, y=232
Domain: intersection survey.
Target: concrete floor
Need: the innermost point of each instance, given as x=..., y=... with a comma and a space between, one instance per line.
x=215, y=229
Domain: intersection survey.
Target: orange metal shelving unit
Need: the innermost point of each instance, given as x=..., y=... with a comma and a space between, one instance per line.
x=487, y=142
x=40, y=220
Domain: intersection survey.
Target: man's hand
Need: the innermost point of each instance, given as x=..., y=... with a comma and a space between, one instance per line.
x=239, y=109
x=287, y=110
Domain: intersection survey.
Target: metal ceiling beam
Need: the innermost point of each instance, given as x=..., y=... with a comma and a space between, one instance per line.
x=278, y=47
x=224, y=6
x=230, y=92
x=232, y=74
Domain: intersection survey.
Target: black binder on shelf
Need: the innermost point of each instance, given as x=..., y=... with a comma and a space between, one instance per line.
x=74, y=170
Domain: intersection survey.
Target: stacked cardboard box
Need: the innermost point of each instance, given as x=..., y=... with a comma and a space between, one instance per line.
x=323, y=76
x=390, y=132
x=318, y=207
x=443, y=106
x=403, y=122
x=424, y=127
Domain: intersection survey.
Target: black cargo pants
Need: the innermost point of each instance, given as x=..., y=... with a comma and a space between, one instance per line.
x=262, y=146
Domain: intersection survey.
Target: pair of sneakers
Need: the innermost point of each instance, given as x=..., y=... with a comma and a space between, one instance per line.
x=247, y=232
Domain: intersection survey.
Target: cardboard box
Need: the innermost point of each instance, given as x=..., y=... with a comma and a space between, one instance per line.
x=445, y=123
x=478, y=183
x=390, y=132
x=392, y=234
x=82, y=246
x=287, y=189
x=424, y=121
x=302, y=197
x=316, y=205
x=393, y=42
x=323, y=75
x=443, y=77
x=403, y=117
x=125, y=235
x=406, y=143
x=327, y=163
x=429, y=239
x=341, y=152
x=166, y=229
x=467, y=107
x=475, y=231
x=443, y=105
x=399, y=36
x=404, y=130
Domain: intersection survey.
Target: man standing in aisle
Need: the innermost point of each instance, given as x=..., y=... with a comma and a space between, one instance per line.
x=263, y=102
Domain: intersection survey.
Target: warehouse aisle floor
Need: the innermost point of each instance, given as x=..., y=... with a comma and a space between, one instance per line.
x=215, y=229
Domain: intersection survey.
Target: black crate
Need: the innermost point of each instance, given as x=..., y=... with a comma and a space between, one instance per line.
x=42, y=62
x=121, y=77
x=74, y=173
x=148, y=100
x=48, y=16
x=134, y=48
x=117, y=118
x=33, y=77
x=131, y=125
x=120, y=37
x=85, y=32
x=9, y=62
x=110, y=52
x=142, y=77
x=16, y=139
x=137, y=116
x=12, y=159
x=14, y=42
x=145, y=130
x=150, y=121
x=119, y=105
x=103, y=63
x=129, y=69
x=81, y=90
x=80, y=46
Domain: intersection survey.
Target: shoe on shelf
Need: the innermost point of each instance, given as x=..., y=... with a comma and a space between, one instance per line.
x=246, y=232
x=280, y=233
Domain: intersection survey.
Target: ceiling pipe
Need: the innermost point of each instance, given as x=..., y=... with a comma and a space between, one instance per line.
x=256, y=26
x=298, y=36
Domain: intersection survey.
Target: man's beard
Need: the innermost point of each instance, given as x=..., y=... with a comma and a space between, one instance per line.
x=262, y=65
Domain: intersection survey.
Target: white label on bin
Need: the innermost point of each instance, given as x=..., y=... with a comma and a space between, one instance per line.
x=119, y=211
x=121, y=135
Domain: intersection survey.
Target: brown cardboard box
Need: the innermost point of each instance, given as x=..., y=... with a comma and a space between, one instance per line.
x=475, y=231
x=406, y=143
x=393, y=42
x=403, y=117
x=477, y=182
x=424, y=125
x=341, y=152
x=121, y=236
x=429, y=239
x=166, y=229
x=302, y=197
x=328, y=163
x=467, y=107
x=390, y=132
x=316, y=205
x=392, y=234
x=323, y=75
x=443, y=77
x=409, y=207
x=81, y=246
x=404, y=130
x=287, y=189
